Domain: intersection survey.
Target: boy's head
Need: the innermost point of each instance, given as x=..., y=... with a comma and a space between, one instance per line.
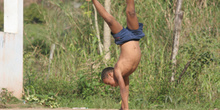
x=108, y=77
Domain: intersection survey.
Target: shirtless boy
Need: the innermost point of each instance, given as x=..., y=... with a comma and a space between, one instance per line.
x=130, y=56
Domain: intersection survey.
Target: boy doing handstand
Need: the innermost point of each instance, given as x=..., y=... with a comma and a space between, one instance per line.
x=130, y=56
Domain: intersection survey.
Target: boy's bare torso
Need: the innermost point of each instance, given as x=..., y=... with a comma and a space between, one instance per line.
x=129, y=58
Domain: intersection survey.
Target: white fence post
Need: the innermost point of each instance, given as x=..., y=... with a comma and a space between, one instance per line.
x=11, y=48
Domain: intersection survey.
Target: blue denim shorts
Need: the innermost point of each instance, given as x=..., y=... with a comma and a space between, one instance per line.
x=126, y=35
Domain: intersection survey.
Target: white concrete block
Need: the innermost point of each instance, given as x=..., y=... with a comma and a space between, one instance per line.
x=11, y=48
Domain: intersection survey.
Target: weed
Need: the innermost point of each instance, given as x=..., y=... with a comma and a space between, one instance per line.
x=6, y=97
x=49, y=100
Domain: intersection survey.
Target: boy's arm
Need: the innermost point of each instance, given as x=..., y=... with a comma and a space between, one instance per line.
x=123, y=88
x=126, y=80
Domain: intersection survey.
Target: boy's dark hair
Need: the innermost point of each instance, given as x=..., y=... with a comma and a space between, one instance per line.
x=105, y=71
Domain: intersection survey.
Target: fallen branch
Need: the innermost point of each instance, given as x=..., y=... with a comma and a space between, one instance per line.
x=184, y=70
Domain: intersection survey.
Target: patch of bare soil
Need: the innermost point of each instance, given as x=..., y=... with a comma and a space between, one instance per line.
x=21, y=106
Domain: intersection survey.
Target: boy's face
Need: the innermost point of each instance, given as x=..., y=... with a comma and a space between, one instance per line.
x=110, y=80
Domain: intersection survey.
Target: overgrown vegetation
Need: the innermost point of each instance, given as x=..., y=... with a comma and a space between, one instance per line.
x=1, y=21
x=6, y=97
x=32, y=14
x=48, y=100
x=74, y=73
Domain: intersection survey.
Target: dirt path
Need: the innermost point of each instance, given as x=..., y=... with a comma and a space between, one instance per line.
x=53, y=109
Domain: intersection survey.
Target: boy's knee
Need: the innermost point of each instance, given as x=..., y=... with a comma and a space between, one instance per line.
x=131, y=13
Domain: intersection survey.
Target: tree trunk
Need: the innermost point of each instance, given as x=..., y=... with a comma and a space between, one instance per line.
x=97, y=31
x=107, y=33
x=176, y=35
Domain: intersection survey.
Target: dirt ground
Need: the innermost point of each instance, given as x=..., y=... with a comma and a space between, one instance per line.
x=39, y=107
x=53, y=109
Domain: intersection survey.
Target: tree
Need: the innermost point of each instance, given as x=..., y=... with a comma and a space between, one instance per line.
x=176, y=36
x=107, y=32
x=97, y=31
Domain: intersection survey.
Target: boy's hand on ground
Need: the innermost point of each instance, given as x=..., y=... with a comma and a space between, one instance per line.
x=123, y=109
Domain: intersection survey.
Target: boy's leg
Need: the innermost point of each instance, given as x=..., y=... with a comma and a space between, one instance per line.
x=132, y=20
x=109, y=19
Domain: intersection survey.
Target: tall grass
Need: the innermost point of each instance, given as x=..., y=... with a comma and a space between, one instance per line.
x=76, y=66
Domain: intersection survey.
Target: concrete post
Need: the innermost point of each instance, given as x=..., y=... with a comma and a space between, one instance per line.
x=11, y=48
